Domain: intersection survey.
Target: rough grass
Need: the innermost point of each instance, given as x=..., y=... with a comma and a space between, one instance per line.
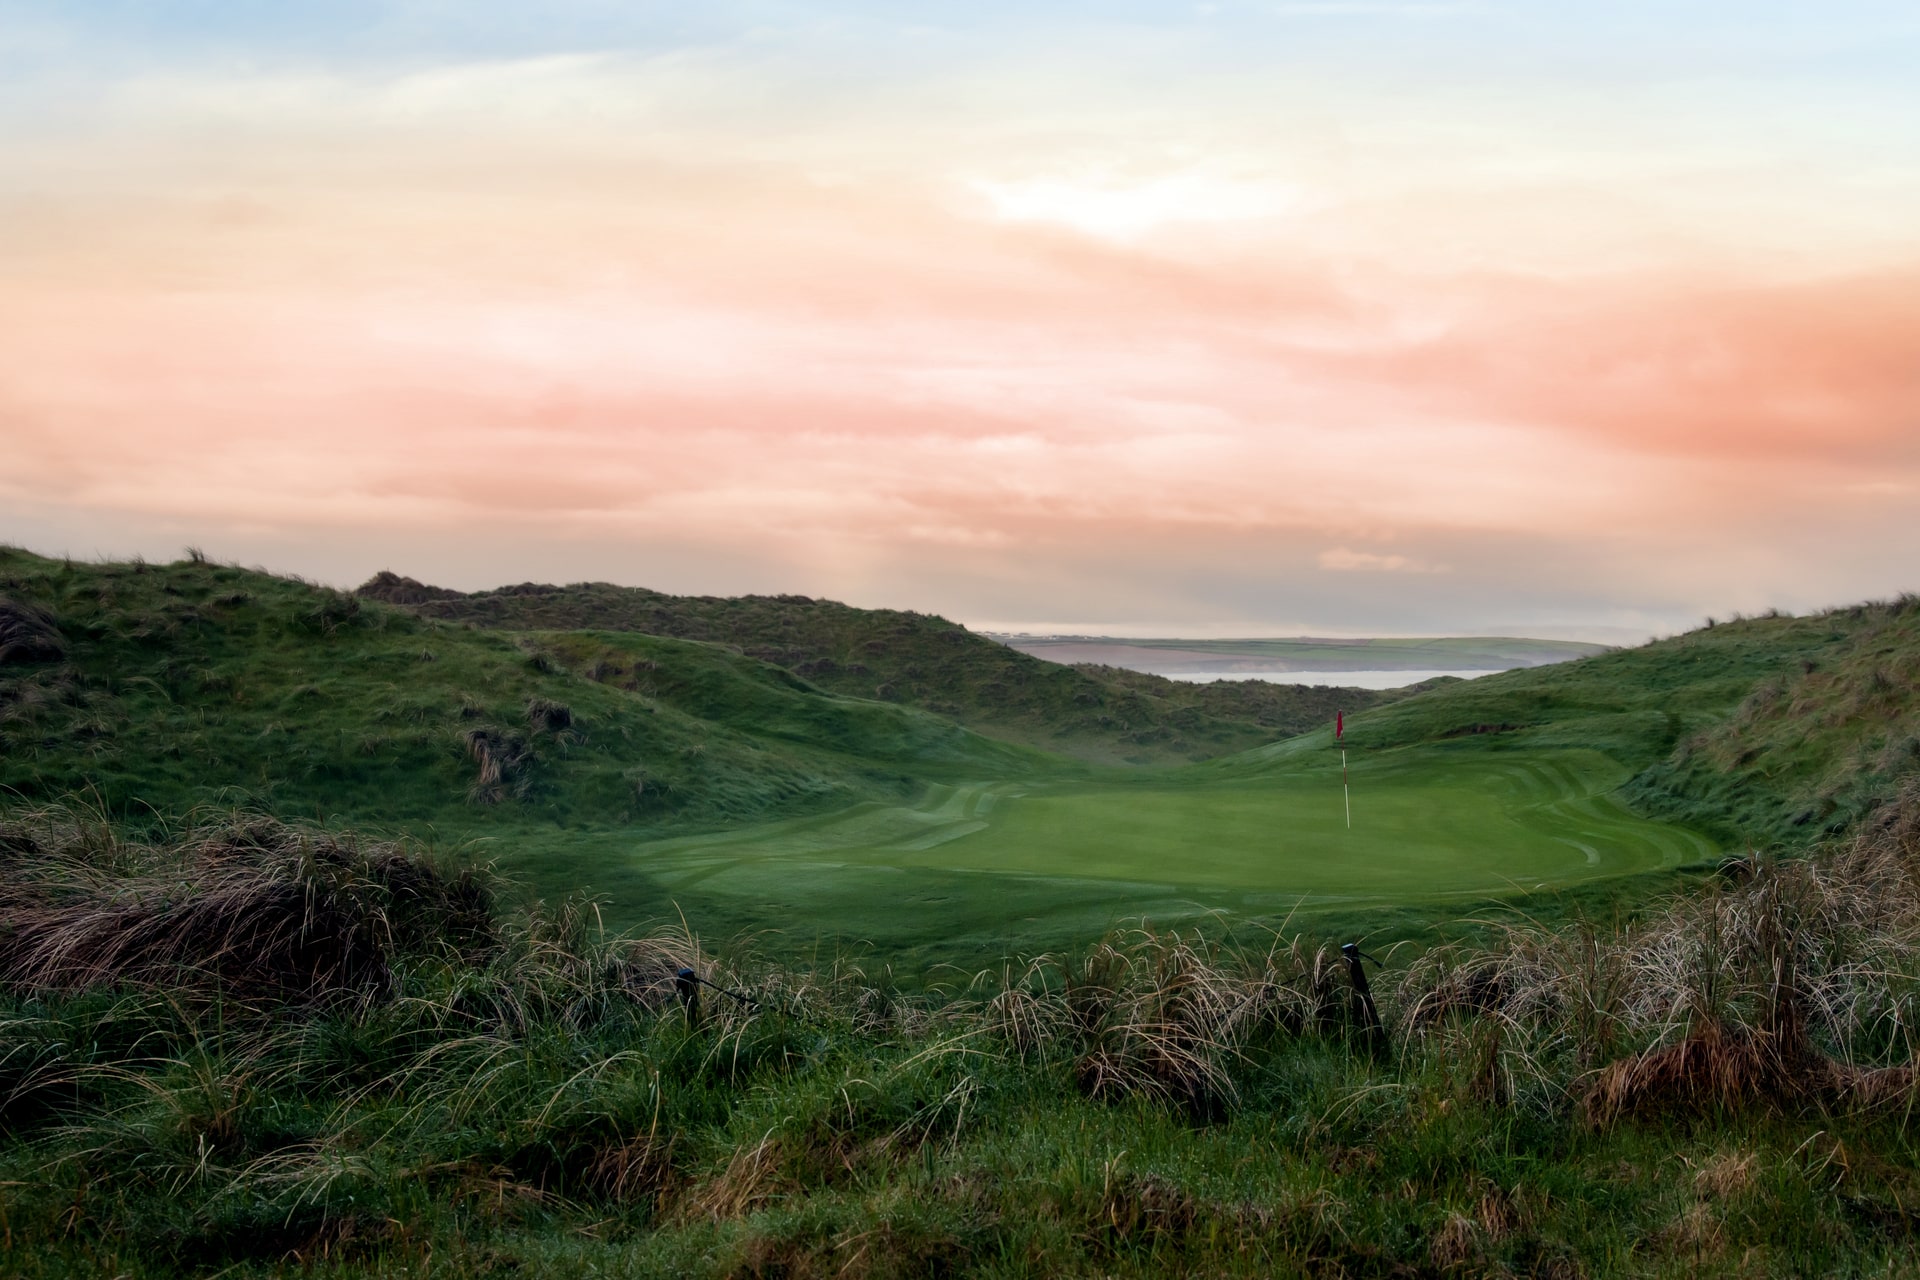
x=29, y=633
x=1820, y=742
x=171, y=686
x=234, y=1044
x=1783, y=983
x=1773, y=730
x=249, y=908
x=541, y=1103
x=1103, y=715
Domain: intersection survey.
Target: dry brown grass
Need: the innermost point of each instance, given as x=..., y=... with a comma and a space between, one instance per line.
x=1455, y=1244
x=751, y=1180
x=1164, y=1015
x=1779, y=985
x=635, y=1170
x=29, y=633
x=1696, y=1231
x=1158, y=1019
x=244, y=904
x=1715, y=1067
x=1726, y=1174
x=502, y=757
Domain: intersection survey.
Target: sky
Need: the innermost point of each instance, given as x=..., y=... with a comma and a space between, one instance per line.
x=1326, y=317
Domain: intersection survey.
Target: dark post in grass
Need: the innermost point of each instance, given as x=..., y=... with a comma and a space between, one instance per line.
x=1364, y=1012
x=687, y=983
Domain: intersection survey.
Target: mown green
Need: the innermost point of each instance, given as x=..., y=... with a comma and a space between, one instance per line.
x=974, y=872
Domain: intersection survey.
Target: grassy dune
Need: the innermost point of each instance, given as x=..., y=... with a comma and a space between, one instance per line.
x=234, y=1045
x=677, y=775
x=175, y=685
x=1769, y=730
x=1102, y=716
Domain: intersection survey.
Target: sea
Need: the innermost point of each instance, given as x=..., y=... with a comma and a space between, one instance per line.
x=1342, y=679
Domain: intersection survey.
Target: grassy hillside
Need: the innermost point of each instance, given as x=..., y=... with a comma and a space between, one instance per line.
x=165, y=686
x=1097, y=714
x=1818, y=743
x=230, y=1044
x=158, y=688
x=1766, y=730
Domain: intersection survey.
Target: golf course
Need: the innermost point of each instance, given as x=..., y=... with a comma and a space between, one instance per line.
x=822, y=779
x=988, y=867
x=590, y=930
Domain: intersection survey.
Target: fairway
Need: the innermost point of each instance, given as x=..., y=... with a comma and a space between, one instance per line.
x=1002, y=864
x=1422, y=827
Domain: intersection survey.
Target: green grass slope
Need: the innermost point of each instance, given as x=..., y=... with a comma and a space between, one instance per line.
x=670, y=772
x=1816, y=745
x=166, y=686
x=1769, y=730
x=1773, y=731
x=1097, y=714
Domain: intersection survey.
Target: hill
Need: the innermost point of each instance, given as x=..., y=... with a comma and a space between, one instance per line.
x=165, y=686
x=1098, y=714
x=162, y=687
x=234, y=1045
x=1766, y=730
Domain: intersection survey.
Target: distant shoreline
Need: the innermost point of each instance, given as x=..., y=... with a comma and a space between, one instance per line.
x=1356, y=679
x=1254, y=657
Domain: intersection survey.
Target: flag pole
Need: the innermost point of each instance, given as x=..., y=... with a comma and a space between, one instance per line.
x=1340, y=736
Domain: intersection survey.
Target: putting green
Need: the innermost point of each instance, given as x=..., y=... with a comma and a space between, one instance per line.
x=1007, y=862
x=1420, y=828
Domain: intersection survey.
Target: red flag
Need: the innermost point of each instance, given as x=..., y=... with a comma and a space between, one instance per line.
x=1339, y=725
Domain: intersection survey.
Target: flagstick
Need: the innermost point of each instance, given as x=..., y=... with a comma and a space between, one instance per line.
x=1345, y=790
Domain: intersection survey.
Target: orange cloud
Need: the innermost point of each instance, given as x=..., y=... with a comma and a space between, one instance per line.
x=1822, y=370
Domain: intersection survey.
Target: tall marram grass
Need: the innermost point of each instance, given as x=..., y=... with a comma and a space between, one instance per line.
x=245, y=904
x=249, y=1045
x=1790, y=980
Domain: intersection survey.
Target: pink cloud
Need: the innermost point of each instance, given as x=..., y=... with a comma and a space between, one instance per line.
x=735, y=358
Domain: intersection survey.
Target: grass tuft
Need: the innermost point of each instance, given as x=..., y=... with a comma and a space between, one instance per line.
x=29, y=633
x=243, y=904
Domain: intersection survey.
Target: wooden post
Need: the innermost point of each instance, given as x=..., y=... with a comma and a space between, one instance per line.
x=1365, y=1014
x=687, y=983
